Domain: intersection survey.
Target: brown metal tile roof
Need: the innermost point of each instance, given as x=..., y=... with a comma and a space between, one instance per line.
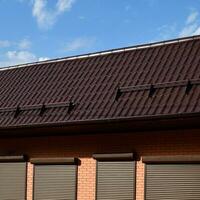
x=151, y=80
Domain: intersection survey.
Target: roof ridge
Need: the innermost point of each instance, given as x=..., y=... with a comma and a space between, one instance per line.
x=106, y=52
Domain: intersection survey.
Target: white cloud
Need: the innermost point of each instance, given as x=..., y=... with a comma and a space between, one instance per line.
x=4, y=43
x=43, y=58
x=167, y=31
x=188, y=30
x=64, y=5
x=43, y=17
x=192, y=17
x=11, y=58
x=17, y=57
x=18, y=53
x=197, y=31
x=192, y=25
x=46, y=17
x=20, y=56
x=79, y=43
x=24, y=44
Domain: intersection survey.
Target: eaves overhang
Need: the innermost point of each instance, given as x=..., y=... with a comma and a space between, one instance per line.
x=109, y=125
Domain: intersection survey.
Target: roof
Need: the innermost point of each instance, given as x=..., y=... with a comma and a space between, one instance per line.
x=142, y=81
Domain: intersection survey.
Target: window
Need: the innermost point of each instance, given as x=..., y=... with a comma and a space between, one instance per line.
x=56, y=180
x=172, y=177
x=12, y=178
x=115, y=177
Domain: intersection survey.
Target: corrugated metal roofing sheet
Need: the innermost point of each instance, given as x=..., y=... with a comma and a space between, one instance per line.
x=91, y=83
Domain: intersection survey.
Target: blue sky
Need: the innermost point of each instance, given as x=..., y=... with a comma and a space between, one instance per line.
x=33, y=30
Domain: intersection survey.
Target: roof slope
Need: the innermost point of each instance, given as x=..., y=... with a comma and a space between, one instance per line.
x=152, y=80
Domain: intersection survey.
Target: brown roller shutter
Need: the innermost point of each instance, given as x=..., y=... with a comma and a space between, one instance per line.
x=172, y=181
x=55, y=182
x=12, y=181
x=115, y=180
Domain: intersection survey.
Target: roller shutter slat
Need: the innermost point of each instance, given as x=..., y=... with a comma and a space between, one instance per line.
x=116, y=180
x=172, y=181
x=12, y=181
x=55, y=182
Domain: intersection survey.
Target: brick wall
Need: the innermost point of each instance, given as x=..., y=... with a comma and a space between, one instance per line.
x=180, y=142
x=29, y=181
x=139, y=180
x=86, y=179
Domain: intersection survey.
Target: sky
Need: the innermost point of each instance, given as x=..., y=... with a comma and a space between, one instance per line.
x=37, y=30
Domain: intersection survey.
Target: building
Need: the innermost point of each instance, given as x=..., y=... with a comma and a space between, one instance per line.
x=115, y=125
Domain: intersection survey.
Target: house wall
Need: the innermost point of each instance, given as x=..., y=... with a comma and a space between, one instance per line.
x=179, y=142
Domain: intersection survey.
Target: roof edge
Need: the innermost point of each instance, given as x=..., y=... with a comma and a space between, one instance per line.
x=107, y=120
x=106, y=52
